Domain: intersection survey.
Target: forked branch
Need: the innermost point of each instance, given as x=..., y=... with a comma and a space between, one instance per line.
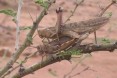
x=77, y=4
x=26, y=43
x=88, y=48
x=102, y=12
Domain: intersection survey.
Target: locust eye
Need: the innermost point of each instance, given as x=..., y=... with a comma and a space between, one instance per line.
x=40, y=36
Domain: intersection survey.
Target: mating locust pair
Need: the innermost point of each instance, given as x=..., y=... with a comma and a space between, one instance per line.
x=65, y=35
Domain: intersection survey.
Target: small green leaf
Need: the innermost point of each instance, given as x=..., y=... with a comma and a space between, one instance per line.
x=71, y=52
x=42, y=3
x=9, y=12
x=110, y=14
x=104, y=41
x=25, y=28
x=75, y=52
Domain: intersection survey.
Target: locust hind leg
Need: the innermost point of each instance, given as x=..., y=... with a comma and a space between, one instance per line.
x=95, y=37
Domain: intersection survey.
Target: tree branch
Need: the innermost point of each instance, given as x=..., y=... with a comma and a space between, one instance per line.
x=77, y=4
x=42, y=64
x=107, y=7
x=17, y=24
x=88, y=48
x=24, y=61
x=26, y=43
x=101, y=13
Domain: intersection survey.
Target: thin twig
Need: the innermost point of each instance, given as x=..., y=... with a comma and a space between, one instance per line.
x=84, y=48
x=106, y=8
x=103, y=11
x=20, y=2
x=79, y=62
x=26, y=43
x=77, y=4
x=9, y=71
x=95, y=36
x=30, y=16
x=24, y=61
x=41, y=64
x=85, y=69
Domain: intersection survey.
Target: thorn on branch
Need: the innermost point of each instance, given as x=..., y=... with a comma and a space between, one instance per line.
x=9, y=65
x=45, y=13
x=21, y=69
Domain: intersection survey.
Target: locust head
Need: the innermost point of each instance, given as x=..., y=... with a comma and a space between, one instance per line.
x=46, y=33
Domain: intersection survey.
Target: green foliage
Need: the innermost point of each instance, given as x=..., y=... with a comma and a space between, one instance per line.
x=75, y=52
x=105, y=41
x=42, y=3
x=9, y=12
x=110, y=14
x=71, y=52
x=25, y=28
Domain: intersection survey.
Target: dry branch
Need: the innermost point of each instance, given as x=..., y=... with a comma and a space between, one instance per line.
x=40, y=65
x=77, y=4
x=26, y=43
x=101, y=13
x=20, y=2
x=88, y=48
x=14, y=68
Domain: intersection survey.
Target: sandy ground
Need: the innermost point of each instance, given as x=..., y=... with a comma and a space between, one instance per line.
x=99, y=65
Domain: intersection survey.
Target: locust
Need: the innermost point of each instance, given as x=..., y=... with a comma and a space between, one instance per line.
x=76, y=33
x=71, y=31
x=75, y=29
